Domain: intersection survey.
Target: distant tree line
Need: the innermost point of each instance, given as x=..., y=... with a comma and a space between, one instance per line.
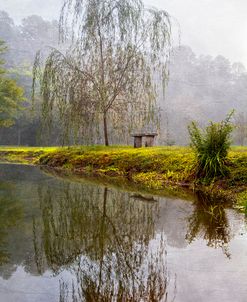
x=203, y=88
x=200, y=88
x=22, y=42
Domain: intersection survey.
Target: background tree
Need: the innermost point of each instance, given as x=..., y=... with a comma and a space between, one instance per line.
x=11, y=95
x=240, y=122
x=117, y=59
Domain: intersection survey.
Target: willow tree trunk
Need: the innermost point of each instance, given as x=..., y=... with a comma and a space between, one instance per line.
x=106, y=131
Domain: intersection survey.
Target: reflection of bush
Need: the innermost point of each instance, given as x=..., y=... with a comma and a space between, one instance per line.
x=112, y=232
x=210, y=222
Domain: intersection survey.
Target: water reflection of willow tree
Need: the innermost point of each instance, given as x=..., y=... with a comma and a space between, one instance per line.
x=141, y=276
x=107, y=240
x=210, y=222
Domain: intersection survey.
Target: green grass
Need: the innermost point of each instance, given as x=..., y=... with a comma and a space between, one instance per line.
x=241, y=203
x=169, y=162
x=154, y=168
x=23, y=155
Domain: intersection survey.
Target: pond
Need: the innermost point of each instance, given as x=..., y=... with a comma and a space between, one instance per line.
x=78, y=241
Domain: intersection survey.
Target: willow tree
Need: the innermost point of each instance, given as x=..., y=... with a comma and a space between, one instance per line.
x=116, y=62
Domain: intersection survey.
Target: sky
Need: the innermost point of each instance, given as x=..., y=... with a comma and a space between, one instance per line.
x=209, y=27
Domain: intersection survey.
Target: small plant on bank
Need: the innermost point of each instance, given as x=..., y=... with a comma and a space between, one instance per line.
x=211, y=146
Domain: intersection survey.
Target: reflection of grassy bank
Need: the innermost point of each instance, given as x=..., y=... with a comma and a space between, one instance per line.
x=121, y=184
x=154, y=168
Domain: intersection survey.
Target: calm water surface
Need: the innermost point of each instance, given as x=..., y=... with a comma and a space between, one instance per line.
x=66, y=241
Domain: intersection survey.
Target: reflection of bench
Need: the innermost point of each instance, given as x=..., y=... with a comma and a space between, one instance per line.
x=148, y=139
x=143, y=198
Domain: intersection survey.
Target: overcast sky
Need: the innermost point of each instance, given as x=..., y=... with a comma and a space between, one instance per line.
x=208, y=26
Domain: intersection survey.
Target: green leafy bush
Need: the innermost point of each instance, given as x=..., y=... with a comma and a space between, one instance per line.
x=211, y=146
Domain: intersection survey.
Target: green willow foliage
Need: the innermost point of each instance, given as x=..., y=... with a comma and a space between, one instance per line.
x=110, y=75
x=211, y=146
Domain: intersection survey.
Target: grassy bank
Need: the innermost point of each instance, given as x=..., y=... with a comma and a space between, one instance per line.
x=154, y=168
x=23, y=155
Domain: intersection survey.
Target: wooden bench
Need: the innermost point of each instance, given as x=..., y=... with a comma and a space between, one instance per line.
x=148, y=139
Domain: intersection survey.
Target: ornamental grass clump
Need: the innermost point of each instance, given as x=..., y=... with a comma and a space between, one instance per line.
x=211, y=146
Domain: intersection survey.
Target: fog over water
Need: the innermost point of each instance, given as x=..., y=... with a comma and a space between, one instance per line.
x=209, y=27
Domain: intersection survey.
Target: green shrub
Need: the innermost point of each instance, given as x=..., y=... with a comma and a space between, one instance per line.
x=242, y=201
x=211, y=146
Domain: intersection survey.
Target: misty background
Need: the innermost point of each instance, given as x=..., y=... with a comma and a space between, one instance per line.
x=207, y=67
